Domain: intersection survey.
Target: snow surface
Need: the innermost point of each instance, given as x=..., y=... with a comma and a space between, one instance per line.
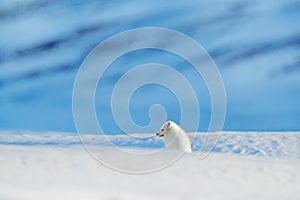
x=56, y=166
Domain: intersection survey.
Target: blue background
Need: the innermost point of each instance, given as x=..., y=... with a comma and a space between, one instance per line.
x=255, y=44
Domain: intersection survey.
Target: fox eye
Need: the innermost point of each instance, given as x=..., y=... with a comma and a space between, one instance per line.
x=162, y=129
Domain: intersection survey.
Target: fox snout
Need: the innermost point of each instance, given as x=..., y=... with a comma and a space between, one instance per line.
x=159, y=134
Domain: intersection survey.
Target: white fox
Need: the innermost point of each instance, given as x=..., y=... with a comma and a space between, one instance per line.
x=174, y=137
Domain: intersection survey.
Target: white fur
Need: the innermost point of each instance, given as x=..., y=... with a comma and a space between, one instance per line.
x=174, y=137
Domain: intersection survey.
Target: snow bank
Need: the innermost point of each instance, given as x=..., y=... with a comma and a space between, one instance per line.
x=45, y=171
x=271, y=144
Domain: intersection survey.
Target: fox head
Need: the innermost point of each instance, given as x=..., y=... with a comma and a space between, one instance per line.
x=164, y=129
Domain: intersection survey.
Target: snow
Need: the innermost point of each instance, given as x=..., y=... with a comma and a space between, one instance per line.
x=31, y=168
x=266, y=144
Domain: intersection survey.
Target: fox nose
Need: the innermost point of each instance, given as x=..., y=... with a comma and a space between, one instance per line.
x=159, y=134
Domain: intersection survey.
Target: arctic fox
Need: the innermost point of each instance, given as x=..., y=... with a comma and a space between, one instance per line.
x=174, y=137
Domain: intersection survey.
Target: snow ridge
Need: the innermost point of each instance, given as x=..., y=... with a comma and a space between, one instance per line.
x=270, y=144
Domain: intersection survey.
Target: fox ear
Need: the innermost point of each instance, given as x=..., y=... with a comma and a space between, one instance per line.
x=168, y=124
